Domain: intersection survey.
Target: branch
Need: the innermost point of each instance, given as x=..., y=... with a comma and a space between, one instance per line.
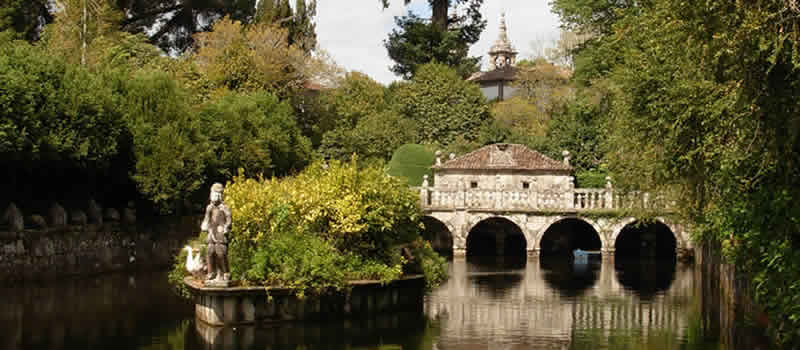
x=151, y=13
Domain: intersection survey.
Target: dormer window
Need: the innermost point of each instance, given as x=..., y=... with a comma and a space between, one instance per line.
x=473, y=184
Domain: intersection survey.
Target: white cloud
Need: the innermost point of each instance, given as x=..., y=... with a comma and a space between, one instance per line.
x=353, y=31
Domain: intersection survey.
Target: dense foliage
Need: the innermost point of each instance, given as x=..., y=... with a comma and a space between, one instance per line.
x=362, y=121
x=326, y=226
x=442, y=104
x=701, y=99
x=53, y=111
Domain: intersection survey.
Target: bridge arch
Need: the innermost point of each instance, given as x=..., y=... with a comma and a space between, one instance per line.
x=566, y=233
x=439, y=233
x=657, y=238
x=496, y=235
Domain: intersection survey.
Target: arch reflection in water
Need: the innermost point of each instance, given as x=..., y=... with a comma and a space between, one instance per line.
x=645, y=277
x=569, y=277
x=495, y=275
x=553, y=305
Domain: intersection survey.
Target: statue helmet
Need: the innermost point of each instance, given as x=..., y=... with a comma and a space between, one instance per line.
x=217, y=187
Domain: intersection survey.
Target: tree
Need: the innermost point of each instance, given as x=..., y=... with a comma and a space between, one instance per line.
x=445, y=38
x=298, y=21
x=254, y=132
x=171, y=148
x=705, y=102
x=362, y=121
x=78, y=23
x=440, y=10
x=441, y=103
x=251, y=58
x=521, y=117
x=50, y=111
x=25, y=17
x=173, y=23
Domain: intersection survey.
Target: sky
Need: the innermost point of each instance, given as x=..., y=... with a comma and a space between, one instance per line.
x=354, y=33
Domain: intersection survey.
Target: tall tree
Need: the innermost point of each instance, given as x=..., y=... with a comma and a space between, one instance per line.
x=25, y=17
x=445, y=38
x=250, y=58
x=78, y=23
x=298, y=21
x=440, y=10
x=173, y=23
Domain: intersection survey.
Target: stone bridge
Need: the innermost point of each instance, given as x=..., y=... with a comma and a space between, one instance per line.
x=507, y=199
x=533, y=222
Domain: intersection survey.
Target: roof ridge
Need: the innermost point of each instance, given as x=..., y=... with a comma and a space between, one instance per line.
x=515, y=157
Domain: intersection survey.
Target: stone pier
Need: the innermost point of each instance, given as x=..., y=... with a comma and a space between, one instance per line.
x=251, y=305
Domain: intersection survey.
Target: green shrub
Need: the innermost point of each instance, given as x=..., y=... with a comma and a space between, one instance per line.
x=324, y=227
x=593, y=178
x=412, y=161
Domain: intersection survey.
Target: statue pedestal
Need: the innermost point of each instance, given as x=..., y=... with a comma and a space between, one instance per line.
x=217, y=283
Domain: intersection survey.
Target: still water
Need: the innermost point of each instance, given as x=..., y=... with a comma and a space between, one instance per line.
x=487, y=304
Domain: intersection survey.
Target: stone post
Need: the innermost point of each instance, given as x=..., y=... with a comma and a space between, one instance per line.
x=95, y=212
x=424, y=191
x=13, y=216
x=58, y=216
x=565, y=153
x=609, y=194
x=438, y=157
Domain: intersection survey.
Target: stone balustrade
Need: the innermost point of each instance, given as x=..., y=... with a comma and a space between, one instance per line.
x=578, y=199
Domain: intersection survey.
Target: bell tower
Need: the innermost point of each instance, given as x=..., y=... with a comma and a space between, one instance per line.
x=502, y=54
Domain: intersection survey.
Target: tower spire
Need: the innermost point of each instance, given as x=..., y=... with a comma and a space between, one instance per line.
x=502, y=53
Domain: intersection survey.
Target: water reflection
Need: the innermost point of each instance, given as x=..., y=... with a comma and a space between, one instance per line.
x=397, y=331
x=645, y=277
x=488, y=303
x=88, y=313
x=568, y=277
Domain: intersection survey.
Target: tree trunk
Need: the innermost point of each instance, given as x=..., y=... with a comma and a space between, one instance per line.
x=83, y=36
x=439, y=15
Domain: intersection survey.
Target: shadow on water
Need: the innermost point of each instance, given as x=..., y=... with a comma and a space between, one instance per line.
x=645, y=277
x=395, y=331
x=97, y=312
x=568, y=277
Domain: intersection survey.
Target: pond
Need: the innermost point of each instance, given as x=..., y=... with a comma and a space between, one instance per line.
x=493, y=303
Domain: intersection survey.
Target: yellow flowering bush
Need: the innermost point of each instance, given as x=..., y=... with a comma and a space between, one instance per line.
x=324, y=227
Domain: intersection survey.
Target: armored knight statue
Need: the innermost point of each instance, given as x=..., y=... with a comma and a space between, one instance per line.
x=217, y=223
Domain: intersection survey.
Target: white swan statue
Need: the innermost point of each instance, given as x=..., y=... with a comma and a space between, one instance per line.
x=194, y=263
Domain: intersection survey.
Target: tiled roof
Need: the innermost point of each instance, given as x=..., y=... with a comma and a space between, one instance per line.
x=506, y=74
x=504, y=156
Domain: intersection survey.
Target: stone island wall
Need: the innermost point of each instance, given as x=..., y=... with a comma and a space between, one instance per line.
x=251, y=305
x=92, y=248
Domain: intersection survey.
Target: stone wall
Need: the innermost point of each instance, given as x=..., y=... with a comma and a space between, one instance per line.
x=57, y=252
x=503, y=180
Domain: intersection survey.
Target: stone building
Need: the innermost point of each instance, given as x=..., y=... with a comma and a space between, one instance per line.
x=496, y=83
x=504, y=167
